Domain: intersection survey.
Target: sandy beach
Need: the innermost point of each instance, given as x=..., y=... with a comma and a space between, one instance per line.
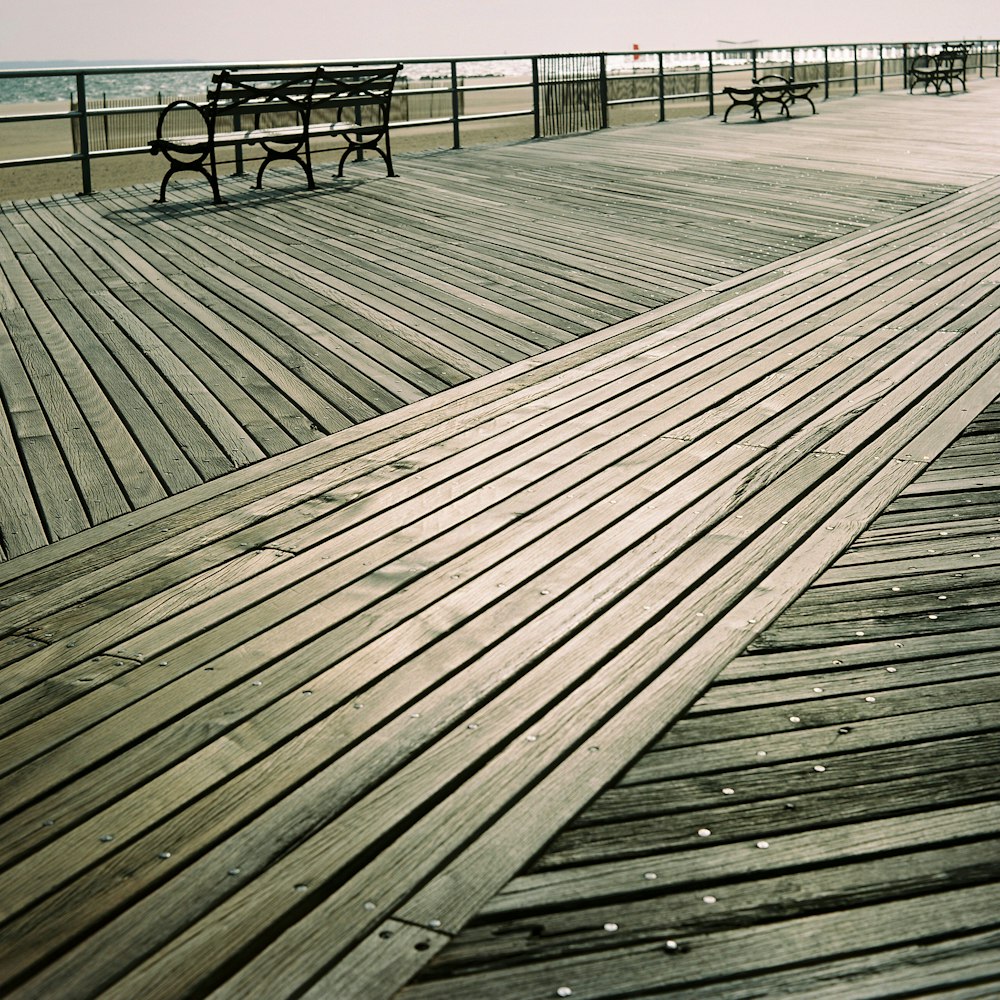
x=51, y=138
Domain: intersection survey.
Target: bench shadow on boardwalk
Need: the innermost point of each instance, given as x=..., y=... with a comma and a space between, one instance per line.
x=362, y=546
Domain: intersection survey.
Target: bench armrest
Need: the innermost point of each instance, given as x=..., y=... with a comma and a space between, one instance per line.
x=161, y=141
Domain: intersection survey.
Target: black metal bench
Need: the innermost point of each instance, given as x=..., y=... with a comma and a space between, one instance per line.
x=772, y=89
x=935, y=71
x=288, y=109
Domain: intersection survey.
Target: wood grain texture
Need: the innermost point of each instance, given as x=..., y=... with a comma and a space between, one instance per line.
x=825, y=799
x=285, y=732
x=170, y=344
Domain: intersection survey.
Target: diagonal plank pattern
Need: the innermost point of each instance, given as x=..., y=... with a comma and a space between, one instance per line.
x=285, y=734
x=832, y=792
x=145, y=349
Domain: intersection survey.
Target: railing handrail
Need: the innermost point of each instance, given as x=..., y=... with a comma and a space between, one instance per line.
x=710, y=60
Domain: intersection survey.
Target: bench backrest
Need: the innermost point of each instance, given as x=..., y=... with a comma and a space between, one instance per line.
x=362, y=93
x=951, y=60
x=284, y=97
x=270, y=97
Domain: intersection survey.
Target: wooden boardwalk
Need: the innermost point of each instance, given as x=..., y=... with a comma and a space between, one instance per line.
x=148, y=349
x=823, y=821
x=284, y=730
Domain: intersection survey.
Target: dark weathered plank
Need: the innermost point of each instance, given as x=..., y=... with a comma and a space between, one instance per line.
x=783, y=798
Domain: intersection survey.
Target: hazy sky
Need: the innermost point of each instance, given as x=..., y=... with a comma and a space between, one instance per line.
x=215, y=30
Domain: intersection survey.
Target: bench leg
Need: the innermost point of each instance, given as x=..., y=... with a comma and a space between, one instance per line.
x=384, y=153
x=753, y=105
x=273, y=155
x=197, y=168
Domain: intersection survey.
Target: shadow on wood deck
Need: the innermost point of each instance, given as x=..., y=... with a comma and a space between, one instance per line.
x=283, y=731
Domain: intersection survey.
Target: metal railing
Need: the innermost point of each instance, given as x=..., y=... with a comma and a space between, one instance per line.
x=614, y=80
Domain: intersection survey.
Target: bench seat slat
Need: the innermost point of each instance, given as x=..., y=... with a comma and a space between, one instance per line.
x=195, y=143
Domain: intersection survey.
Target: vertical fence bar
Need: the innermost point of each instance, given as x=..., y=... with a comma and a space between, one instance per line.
x=791, y=63
x=535, y=94
x=663, y=97
x=881, y=68
x=604, y=89
x=104, y=122
x=855, y=71
x=753, y=62
x=81, y=110
x=981, y=57
x=711, y=83
x=826, y=72
x=456, y=139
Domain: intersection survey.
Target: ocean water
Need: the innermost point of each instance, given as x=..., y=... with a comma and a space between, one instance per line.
x=141, y=83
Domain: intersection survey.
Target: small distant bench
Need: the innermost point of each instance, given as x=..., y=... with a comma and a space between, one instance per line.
x=937, y=70
x=773, y=89
x=288, y=109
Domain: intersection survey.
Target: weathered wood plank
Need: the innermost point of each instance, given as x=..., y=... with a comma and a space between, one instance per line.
x=627, y=871
x=653, y=969
x=291, y=733
x=327, y=326
x=636, y=916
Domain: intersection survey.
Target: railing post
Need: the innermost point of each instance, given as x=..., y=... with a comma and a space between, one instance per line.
x=753, y=62
x=881, y=68
x=105, y=123
x=604, y=89
x=826, y=72
x=81, y=110
x=906, y=63
x=791, y=63
x=536, y=104
x=855, y=71
x=980, y=59
x=711, y=83
x=663, y=101
x=238, y=148
x=456, y=139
